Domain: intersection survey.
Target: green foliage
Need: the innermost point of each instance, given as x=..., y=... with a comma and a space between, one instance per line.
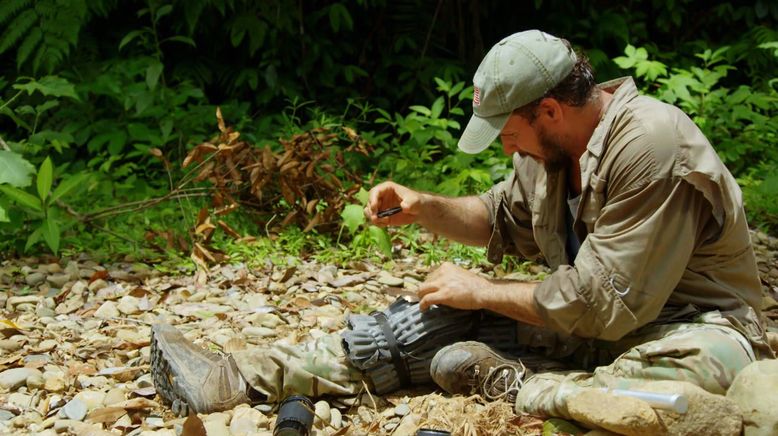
x=99, y=100
x=44, y=31
x=741, y=121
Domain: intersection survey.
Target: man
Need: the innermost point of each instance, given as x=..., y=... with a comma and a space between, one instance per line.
x=624, y=198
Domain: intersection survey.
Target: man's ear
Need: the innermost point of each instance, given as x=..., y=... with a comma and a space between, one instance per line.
x=550, y=109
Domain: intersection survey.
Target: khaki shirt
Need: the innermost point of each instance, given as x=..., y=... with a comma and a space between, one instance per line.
x=661, y=222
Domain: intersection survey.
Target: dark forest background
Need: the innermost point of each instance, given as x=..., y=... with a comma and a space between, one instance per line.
x=101, y=102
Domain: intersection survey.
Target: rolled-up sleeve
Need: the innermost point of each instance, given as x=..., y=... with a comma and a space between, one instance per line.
x=510, y=217
x=630, y=264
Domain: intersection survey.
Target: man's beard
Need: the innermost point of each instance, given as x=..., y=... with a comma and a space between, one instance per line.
x=556, y=158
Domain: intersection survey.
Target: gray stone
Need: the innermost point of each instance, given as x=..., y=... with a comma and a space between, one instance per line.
x=35, y=279
x=755, y=391
x=15, y=377
x=75, y=409
x=389, y=280
x=5, y=415
x=58, y=280
x=97, y=285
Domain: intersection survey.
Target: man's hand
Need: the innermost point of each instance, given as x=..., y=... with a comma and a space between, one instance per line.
x=453, y=286
x=389, y=194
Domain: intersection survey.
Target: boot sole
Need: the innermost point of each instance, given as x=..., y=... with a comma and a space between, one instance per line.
x=163, y=379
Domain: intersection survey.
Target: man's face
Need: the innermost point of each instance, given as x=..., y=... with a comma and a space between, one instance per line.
x=534, y=140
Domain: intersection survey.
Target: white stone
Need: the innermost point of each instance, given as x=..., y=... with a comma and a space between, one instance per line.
x=107, y=310
x=402, y=409
x=128, y=305
x=247, y=421
x=336, y=418
x=54, y=381
x=13, y=378
x=261, y=332
x=322, y=413
x=22, y=401
x=114, y=396
x=97, y=285
x=92, y=399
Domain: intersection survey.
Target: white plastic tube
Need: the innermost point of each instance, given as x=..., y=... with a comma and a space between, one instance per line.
x=675, y=402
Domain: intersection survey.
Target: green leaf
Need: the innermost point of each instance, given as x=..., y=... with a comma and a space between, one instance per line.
x=182, y=39
x=45, y=179
x=54, y=86
x=161, y=12
x=15, y=170
x=3, y=216
x=22, y=197
x=51, y=233
x=68, y=185
x=363, y=196
x=33, y=239
x=437, y=108
x=339, y=14
x=130, y=36
x=421, y=109
x=152, y=74
x=381, y=239
x=353, y=216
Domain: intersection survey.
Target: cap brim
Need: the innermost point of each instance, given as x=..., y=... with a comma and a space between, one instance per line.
x=481, y=132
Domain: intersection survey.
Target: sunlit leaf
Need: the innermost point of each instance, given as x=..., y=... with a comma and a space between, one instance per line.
x=3, y=216
x=353, y=216
x=381, y=239
x=15, y=170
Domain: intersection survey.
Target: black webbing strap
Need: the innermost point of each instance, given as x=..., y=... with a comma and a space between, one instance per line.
x=391, y=342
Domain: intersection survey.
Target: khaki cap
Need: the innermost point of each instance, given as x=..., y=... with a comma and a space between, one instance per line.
x=517, y=70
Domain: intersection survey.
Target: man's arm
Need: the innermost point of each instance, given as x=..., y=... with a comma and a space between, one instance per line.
x=453, y=286
x=463, y=219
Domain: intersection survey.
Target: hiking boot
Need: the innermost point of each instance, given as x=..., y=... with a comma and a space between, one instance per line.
x=473, y=368
x=192, y=379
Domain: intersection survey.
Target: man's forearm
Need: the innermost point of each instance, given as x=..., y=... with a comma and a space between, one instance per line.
x=512, y=299
x=463, y=219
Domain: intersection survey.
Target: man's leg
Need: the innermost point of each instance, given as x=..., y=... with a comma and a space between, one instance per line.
x=314, y=368
x=705, y=355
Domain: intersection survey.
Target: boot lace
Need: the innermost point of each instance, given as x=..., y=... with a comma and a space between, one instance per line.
x=501, y=381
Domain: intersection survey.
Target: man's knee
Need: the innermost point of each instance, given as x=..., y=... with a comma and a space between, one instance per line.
x=708, y=356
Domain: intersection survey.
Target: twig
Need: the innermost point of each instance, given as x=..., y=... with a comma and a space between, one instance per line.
x=4, y=145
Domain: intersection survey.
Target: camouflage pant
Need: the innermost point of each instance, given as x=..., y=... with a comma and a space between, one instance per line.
x=706, y=355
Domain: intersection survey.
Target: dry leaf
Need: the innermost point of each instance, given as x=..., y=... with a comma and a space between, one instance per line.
x=193, y=426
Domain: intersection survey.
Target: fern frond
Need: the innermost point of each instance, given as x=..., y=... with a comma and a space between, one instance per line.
x=28, y=45
x=17, y=28
x=9, y=8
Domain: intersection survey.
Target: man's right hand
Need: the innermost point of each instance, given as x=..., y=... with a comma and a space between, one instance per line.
x=388, y=195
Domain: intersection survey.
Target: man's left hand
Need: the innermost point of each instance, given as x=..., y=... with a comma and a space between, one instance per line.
x=452, y=286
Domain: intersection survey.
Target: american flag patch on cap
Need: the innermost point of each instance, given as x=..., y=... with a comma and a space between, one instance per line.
x=476, y=96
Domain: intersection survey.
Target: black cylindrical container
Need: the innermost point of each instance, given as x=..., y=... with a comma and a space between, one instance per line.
x=432, y=432
x=295, y=417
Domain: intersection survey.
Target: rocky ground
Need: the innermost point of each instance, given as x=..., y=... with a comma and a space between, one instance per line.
x=74, y=347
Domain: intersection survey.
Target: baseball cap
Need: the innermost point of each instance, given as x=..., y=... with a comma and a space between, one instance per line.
x=516, y=71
